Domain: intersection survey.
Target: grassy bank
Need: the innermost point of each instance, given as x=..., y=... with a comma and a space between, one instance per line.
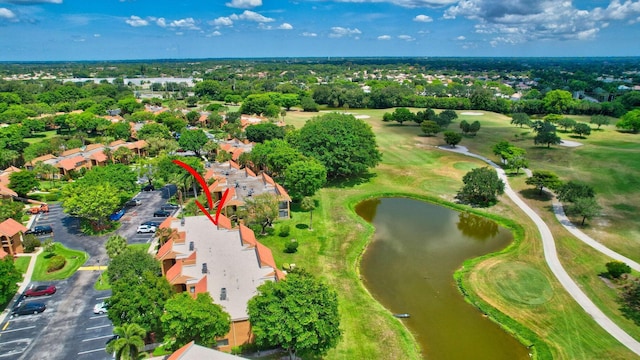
x=74, y=259
x=411, y=165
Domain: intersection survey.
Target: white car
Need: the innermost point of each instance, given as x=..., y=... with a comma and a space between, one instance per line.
x=146, y=229
x=100, y=308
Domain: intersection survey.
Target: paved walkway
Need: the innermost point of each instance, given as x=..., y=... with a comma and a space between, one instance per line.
x=551, y=257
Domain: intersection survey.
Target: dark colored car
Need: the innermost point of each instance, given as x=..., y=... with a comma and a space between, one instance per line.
x=28, y=308
x=169, y=207
x=148, y=188
x=112, y=339
x=117, y=215
x=152, y=223
x=162, y=213
x=133, y=202
x=40, y=230
x=40, y=290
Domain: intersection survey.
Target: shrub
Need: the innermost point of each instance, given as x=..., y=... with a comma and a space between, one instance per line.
x=56, y=263
x=30, y=243
x=617, y=268
x=291, y=247
x=284, y=230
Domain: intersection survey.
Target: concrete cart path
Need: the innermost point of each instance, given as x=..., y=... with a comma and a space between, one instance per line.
x=551, y=257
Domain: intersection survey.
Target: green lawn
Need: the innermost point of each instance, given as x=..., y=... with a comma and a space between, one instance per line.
x=22, y=263
x=537, y=309
x=41, y=136
x=74, y=259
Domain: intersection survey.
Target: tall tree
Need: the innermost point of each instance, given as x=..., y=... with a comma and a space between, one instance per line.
x=545, y=133
x=92, y=202
x=520, y=119
x=22, y=182
x=542, y=178
x=299, y=313
x=566, y=123
x=304, y=178
x=558, y=101
x=582, y=129
x=630, y=121
x=481, y=187
x=308, y=204
x=262, y=132
x=129, y=344
x=599, y=120
x=573, y=190
x=586, y=207
x=346, y=146
x=452, y=138
x=186, y=319
x=9, y=278
x=430, y=128
x=193, y=140
x=262, y=209
x=115, y=245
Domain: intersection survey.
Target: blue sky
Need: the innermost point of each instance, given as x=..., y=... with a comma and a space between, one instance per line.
x=41, y=30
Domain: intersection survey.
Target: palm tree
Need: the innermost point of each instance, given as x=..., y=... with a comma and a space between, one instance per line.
x=129, y=343
x=308, y=204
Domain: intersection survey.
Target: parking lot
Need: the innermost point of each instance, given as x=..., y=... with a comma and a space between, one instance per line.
x=68, y=329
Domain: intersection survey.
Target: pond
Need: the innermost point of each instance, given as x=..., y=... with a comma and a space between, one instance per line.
x=408, y=267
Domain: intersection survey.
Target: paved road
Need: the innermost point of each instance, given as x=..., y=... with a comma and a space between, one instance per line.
x=551, y=257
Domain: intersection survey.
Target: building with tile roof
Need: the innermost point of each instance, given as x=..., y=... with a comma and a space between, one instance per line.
x=193, y=351
x=11, y=235
x=228, y=263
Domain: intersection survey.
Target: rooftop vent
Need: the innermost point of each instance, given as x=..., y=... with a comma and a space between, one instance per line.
x=204, y=268
x=190, y=245
x=223, y=294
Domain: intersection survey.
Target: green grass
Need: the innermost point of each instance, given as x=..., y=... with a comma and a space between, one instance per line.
x=41, y=136
x=74, y=258
x=22, y=263
x=411, y=166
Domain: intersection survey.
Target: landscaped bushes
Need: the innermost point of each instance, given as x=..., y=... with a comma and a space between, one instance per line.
x=30, y=243
x=56, y=263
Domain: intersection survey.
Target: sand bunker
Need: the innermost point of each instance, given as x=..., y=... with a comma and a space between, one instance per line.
x=569, y=143
x=471, y=113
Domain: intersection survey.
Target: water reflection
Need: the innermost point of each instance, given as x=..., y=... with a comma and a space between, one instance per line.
x=409, y=267
x=477, y=227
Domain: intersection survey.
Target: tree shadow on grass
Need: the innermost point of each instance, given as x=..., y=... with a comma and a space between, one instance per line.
x=535, y=194
x=302, y=226
x=351, y=182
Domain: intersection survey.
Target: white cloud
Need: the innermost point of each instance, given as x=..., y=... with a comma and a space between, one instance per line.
x=384, y=37
x=338, y=31
x=244, y=4
x=406, y=37
x=251, y=16
x=96, y=35
x=161, y=22
x=223, y=21
x=186, y=24
x=7, y=14
x=520, y=21
x=407, y=3
x=460, y=38
x=215, y=33
x=285, y=26
x=136, y=21
x=31, y=2
x=423, y=18
x=309, y=34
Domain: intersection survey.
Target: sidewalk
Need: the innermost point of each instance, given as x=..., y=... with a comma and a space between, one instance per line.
x=22, y=286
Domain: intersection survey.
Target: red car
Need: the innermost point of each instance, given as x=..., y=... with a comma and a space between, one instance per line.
x=41, y=290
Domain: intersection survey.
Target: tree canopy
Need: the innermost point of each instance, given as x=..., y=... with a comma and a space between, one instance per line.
x=186, y=319
x=92, y=202
x=22, y=182
x=262, y=209
x=573, y=190
x=299, y=313
x=129, y=344
x=304, y=178
x=452, y=138
x=262, y=132
x=193, y=140
x=346, y=146
x=9, y=278
x=481, y=187
x=630, y=121
x=542, y=178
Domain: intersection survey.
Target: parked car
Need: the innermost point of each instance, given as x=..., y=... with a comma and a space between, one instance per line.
x=146, y=229
x=148, y=187
x=169, y=207
x=117, y=215
x=162, y=213
x=44, y=208
x=40, y=290
x=153, y=223
x=28, y=308
x=112, y=339
x=133, y=202
x=101, y=308
x=40, y=230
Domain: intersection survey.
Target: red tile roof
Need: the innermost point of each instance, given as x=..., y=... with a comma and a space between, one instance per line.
x=178, y=353
x=71, y=152
x=282, y=192
x=174, y=272
x=201, y=286
x=236, y=154
x=234, y=164
x=166, y=223
x=71, y=163
x=93, y=147
x=117, y=142
x=164, y=250
x=41, y=158
x=249, y=172
x=224, y=222
x=247, y=236
x=98, y=156
x=6, y=191
x=265, y=256
x=267, y=179
x=11, y=227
